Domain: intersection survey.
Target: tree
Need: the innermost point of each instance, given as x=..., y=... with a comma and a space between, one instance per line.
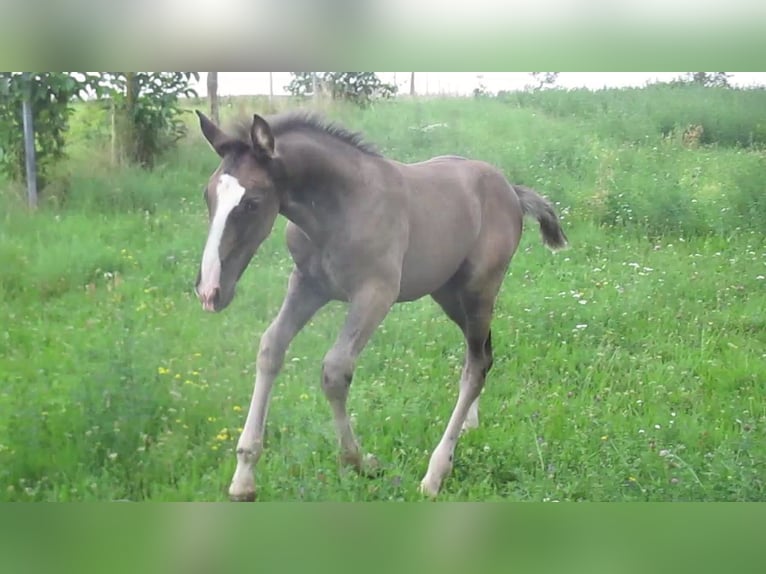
x=709, y=79
x=51, y=94
x=481, y=90
x=148, y=112
x=543, y=79
x=212, y=94
x=360, y=88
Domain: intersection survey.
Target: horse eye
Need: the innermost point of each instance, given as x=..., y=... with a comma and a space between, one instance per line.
x=250, y=204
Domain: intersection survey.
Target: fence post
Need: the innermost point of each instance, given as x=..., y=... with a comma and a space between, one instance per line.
x=29, y=140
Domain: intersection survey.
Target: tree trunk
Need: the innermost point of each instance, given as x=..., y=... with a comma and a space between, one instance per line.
x=114, y=155
x=212, y=94
x=134, y=150
x=412, y=84
x=124, y=133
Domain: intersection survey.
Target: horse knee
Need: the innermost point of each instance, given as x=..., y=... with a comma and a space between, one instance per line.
x=337, y=372
x=271, y=353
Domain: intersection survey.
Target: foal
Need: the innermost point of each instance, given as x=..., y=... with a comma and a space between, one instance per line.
x=369, y=231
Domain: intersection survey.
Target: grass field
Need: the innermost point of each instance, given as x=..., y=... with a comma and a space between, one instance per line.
x=631, y=367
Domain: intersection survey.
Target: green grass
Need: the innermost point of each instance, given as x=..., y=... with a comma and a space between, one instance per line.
x=630, y=367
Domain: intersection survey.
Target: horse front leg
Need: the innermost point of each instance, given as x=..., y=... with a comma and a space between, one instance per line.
x=301, y=302
x=367, y=310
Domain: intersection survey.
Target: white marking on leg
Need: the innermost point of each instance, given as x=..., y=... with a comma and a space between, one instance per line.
x=250, y=444
x=229, y=193
x=440, y=464
x=299, y=306
x=472, y=418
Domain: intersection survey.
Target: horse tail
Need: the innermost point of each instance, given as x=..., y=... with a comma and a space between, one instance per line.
x=533, y=204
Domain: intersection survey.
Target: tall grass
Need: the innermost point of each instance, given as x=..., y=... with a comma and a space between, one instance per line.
x=729, y=117
x=631, y=367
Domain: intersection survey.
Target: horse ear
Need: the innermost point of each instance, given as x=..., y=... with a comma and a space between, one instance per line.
x=261, y=136
x=213, y=134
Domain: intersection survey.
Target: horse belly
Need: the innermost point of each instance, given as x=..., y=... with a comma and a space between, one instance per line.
x=440, y=240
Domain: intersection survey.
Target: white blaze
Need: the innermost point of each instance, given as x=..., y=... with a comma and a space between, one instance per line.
x=228, y=195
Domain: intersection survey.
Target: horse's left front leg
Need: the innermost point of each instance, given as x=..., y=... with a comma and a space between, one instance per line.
x=368, y=307
x=302, y=301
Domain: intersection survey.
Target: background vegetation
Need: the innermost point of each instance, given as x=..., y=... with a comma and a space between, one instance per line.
x=631, y=367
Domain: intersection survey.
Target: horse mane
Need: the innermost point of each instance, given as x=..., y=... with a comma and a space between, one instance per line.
x=307, y=122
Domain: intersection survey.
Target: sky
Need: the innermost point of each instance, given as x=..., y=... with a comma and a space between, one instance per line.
x=255, y=83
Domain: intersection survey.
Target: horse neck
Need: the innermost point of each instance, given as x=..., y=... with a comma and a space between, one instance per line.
x=323, y=180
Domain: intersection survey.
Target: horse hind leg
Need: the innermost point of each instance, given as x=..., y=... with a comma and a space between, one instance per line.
x=449, y=301
x=472, y=418
x=476, y=316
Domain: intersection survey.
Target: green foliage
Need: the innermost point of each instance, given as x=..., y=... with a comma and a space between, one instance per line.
x=360, y=88
x=150, y=110
x=148, y=104
x=708, y=79
x=50, y=94
x=543, y=79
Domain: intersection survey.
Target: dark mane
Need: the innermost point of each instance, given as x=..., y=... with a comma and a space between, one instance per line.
x=307, y=122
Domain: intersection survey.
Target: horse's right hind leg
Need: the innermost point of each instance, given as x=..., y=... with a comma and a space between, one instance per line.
x=450, y=303
x=477, y=316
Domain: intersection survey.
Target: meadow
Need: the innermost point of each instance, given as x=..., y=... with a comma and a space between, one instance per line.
x=631, y=367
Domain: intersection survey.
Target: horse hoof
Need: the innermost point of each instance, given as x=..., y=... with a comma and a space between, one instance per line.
x=371, y=466
x=429, y=489
x=242, y=497
x=367, y=465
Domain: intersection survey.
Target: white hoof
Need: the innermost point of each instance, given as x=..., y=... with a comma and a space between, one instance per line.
x=242, y=487
x=430, y=487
